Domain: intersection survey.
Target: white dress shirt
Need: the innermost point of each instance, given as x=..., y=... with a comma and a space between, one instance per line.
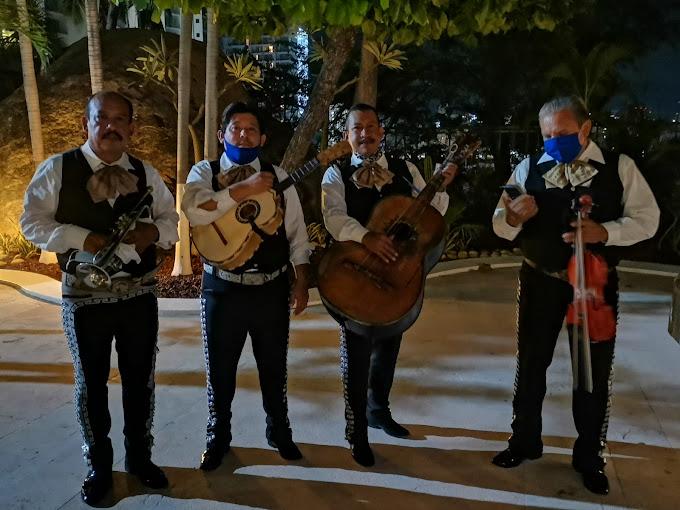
x=345, y=228
x=41, y=200
x=199, y=190
x=640, y=217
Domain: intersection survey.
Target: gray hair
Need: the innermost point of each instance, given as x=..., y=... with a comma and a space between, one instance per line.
x=574, y=104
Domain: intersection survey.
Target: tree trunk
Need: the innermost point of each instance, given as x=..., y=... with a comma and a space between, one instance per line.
x=211, y=51
x=340, y=41
x=30, y=87
x=94, y=47
x=367, y=87
x=182, y=250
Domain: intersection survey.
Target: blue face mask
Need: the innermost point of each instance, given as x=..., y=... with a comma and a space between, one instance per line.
x=564, y=148
x=241, y=155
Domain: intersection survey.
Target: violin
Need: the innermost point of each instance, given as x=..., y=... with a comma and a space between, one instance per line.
x=589, y=316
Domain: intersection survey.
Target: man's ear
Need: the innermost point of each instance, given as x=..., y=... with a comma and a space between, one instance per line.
x=263, y=140
x=584, y=132
x=345, y=135
x=133, y=128
x=83, y=122
x=220, y=135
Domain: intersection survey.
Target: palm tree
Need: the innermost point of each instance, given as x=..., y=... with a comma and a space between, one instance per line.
x=592, y=76
x=182, y=264
x=211, y=53
x=26, y=41
x=94, y=46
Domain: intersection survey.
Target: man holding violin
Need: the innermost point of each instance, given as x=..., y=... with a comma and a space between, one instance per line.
x=540, y=216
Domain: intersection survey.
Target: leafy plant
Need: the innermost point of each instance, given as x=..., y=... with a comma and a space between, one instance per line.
x=318, y=235
x=460, y=237
x=17, y=244
x=159, y=64
x=243, y=70
x=386, y=55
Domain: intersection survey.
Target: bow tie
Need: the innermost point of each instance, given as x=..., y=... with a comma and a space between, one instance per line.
x=110, y=181
x=370, y=174
x=234, y=174
x=574, y=173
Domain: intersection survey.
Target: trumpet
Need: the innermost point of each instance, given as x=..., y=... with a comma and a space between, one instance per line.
x=95, y=271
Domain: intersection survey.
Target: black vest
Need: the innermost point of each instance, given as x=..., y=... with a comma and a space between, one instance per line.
x=76, y=207
x=361, y=201
x=274, y=251
x=541, y=236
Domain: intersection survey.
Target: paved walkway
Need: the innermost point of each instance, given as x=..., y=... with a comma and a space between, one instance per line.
x=453, y=390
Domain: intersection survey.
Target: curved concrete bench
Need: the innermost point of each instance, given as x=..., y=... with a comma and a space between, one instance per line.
x=44, y=288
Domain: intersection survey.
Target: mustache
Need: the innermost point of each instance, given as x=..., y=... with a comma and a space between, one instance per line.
x=367, y=140
x=113, y=134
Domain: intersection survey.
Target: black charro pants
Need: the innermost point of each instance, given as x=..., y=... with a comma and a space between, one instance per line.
x=229, y=312
x=90, y=328
x=367, y=366
x=542, y=306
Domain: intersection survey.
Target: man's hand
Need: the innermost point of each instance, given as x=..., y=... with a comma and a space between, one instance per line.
x=519, y=210
x=591, y=231
x=94, y=242
x=257, y=183
x=299, y=295
x=381, y=245
x=142, y=236
x=449, y=172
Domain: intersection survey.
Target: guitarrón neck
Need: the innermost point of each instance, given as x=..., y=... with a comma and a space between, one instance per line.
x=297, y=175
x=432, y=187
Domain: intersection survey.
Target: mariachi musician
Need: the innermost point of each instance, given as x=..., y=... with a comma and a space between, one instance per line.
x=624, y=213
x=73, y=207
x=254, y=298
x=350, y=190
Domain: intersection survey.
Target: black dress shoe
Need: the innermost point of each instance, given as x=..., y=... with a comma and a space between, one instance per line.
x=594, y=479
x=212, y=457
x=509, y=459
x=95, y=486
x=148, y=473
x=287, y=448
x=391, y=427
x=362, y=453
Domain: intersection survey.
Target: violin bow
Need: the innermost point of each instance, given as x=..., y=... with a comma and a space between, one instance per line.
x=580, y=348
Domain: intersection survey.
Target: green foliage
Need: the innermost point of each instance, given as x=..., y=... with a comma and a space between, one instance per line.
x=591, y=76
x=386, y=55
x=460, y=236
x=17, y=244
x=34, y=29
x=402, y=21
x=157, y=64
x=318, y=236
x=244, y=70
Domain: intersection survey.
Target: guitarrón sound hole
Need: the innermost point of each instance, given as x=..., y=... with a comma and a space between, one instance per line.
x=247, y=211
x=402, y=232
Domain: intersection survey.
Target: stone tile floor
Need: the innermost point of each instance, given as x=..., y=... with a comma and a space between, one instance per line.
x=453, y=390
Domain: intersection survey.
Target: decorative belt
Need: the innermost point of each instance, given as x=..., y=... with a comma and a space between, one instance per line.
x=243, y=278
x=120, y=287
x=560, y=275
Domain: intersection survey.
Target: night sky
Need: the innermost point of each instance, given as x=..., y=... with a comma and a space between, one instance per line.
x=655, y=79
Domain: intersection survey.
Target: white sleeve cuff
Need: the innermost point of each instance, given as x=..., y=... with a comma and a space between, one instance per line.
x=613, y=229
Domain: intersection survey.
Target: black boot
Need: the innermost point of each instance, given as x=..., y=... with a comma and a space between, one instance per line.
x=286, y=447
x=148, y=473
x=362, y=453
x=593, y=476
x=99, y=479
x=96, y=485
x=387, y=423
x=212, y=456
x=509, y=458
